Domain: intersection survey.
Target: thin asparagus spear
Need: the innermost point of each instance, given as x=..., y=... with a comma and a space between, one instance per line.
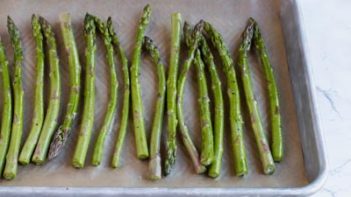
x=208, y=59
x=261, y=141
x=112, y=103
x=277, y=139
x=7, y=107
x=155, y=158
x=52, y=112
x=38, y=113
x=17, y=120
x=236, y=120
x=137, y=103
x=64, y=130
x=172, y=121
x=184, y=131
x=86, y=126
x=126, y=94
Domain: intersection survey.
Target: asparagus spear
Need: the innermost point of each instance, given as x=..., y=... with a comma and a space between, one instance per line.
x=38, y=113
x=208, y=59
x=184, y=132
x=89, y=94
x=52, y=112
x=261, y=141
x=172, y=93
x=126, y=94
x=277, y=139
x=112, y=103
x=17, y=120
x=7, y=106
x=64, y=130
x=155, y=158
x=236, y=121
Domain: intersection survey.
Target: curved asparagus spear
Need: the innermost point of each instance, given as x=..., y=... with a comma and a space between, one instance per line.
x=126, y=94
x=7, y=107
x=208, y=59
x=137, y=103
x=64, y=130
x=155, y=157
x=184, y=132
x=277, y=139
x=261, y=141
x=17, y=121
x=236, y=121
x=38, y=113
x=86, y=125
x=112, y=103
x=52, y=112
x=172, y=93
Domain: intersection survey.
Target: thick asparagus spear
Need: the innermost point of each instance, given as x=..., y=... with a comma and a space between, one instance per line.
x=155, y=157
x=277, y=139
x=112, y=103
x=126, y=94
x=171, y=155
x=86, y=126
x=208, y=59
x=17, y=120
x=38, y=113
x=236, y=121
x=64, y=130
x=261, y=141
x=52, y=112
x=7, y=107
x=184, y=131
x=137, y=103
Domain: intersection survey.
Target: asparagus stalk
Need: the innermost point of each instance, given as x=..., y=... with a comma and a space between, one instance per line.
x=7, y=106
x=38, y=113
x=86, y=126
x=277, y=139
x=261, y=141
x=112, y=103
x=155, y=158
x=137, y=103
x=184, y=131
x=10, y=170
x=64, y=130
x=52, y=112
x=208, y=59
x=126, y=94
x=236, y=120
x=172, y=93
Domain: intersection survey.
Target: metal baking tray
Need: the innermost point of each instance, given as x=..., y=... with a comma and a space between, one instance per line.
x=303, y=170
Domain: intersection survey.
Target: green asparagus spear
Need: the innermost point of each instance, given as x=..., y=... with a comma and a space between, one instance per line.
x=64, y=130
x=184, y=132
x=171, y=152
x=137, y=103
x=155, y=158
x=126, y=94
x=277, y=139
x=112, y=103
x=7, y=107
x=17, y=120
x=236, y=121
x=52, y=112
x=261, y=141
x=38, y=113
x=208, y=59
x=89, y=94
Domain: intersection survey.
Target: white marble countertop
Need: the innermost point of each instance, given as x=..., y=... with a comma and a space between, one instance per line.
x=327, y=28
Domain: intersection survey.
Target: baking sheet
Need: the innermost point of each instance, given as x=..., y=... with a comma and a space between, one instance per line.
x=230, y=18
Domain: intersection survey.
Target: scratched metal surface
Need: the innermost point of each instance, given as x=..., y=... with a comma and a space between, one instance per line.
x=279, y=23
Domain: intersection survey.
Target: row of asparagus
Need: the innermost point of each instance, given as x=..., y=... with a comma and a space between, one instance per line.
x=43, y=143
